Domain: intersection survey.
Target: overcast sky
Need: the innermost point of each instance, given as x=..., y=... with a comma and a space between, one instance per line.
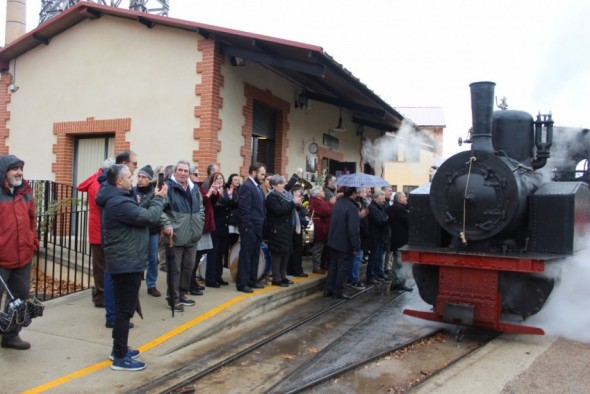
x=427, y=52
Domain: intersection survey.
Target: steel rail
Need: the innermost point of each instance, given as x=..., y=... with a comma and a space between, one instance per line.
x=209, y=370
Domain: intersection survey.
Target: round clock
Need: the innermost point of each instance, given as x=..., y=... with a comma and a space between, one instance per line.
x=313, y=148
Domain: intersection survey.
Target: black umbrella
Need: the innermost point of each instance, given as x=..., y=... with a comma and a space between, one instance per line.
x=169, y=281
x=138, y=309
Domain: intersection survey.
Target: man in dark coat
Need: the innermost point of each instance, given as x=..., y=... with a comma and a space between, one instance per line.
x=252, y=214
x=344, y=242
x=18, y=238
x=125, y=239
x=144, y=192
x=379, y=238
x=399, y=222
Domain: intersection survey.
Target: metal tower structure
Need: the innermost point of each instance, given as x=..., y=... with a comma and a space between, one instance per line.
x=51, y=8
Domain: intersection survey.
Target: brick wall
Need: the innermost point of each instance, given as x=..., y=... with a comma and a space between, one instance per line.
x=326, y=153
x=66, y=132
x=5, y=97
x=211, y=103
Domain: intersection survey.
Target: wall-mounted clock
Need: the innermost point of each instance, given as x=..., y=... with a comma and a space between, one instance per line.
x=313, y=148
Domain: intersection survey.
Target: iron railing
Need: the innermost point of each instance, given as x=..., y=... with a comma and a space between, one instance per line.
x=63, y=263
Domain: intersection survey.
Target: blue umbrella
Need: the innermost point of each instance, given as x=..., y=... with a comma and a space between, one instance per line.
x=360, y=180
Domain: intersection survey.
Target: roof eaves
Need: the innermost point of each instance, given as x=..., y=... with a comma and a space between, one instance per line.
x=345, y=72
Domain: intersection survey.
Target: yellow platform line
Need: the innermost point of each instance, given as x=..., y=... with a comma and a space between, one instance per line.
x=151, y=344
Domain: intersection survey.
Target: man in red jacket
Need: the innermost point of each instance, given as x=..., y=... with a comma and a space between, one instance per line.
x=18, y=238
x=91, y=186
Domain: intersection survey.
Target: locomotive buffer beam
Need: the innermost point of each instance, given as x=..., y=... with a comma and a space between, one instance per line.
x=469, y=288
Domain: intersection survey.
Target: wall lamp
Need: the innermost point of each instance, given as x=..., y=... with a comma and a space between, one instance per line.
x=339, y=127
x=301, y=100
x=237, y=61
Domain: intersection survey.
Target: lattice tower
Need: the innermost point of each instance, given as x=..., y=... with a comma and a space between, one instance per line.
x=51, y=8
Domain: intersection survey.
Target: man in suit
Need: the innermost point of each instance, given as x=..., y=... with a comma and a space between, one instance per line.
x=251, y=209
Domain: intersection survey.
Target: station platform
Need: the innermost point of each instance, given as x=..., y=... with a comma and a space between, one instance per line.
x=70, y=346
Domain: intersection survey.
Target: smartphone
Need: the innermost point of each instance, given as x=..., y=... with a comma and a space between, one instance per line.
x=160, y=180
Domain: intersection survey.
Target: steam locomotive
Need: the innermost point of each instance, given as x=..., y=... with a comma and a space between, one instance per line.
x=488, y=235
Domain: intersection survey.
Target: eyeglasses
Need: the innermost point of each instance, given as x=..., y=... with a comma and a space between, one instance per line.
x=195, y=173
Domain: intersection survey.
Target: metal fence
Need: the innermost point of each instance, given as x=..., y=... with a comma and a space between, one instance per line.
x=63, y=263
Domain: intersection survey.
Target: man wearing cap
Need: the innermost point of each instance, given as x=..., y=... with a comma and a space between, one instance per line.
x=144, y=192
x=18, y=238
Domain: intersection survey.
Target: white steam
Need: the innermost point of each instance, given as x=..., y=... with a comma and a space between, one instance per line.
x=567, y=311
x=570, y=145
x=387, y=148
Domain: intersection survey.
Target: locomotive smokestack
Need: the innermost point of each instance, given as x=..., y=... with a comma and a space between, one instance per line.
x=15, y=20
x=482, y=106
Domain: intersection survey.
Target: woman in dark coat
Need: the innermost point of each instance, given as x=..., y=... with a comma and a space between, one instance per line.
x=279, y=228
x=231, y=190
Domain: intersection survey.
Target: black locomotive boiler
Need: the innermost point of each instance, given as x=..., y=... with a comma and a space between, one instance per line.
x=489, y=227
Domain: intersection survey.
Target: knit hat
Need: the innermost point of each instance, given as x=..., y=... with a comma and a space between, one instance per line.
x=147, y=171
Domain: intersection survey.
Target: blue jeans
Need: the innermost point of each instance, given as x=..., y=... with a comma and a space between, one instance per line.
x=151, y=276
x=355, y=276
x=375, y=265
x=109, y=297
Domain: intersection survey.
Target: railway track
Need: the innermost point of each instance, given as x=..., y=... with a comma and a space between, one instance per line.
x=294, y=351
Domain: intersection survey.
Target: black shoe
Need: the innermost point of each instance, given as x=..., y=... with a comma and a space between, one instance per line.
x=245, y=289
x=15, y=343
x=196, y=292
x=402, y=288
x=111, y=324
x=214, y=284
x=341, y=297
x=301, y=275
x=258, y=285
x=222, y=282
x=182, y=300
x=99, y=305
x=373, y=281
x=197, y=286
x=328, y=293
x=288, y=282
x=282, y=284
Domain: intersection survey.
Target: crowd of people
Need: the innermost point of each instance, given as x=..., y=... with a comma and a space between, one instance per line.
x=173, y=219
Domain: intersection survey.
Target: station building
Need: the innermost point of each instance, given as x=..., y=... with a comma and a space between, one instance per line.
x=96, y=80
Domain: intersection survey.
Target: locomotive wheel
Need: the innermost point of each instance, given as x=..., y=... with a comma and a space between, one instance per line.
x=524, y=294
x=426, y=277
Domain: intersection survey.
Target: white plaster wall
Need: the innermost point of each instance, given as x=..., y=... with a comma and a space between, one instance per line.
x=107, y=68
x=303, y=124
x=114, y=68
